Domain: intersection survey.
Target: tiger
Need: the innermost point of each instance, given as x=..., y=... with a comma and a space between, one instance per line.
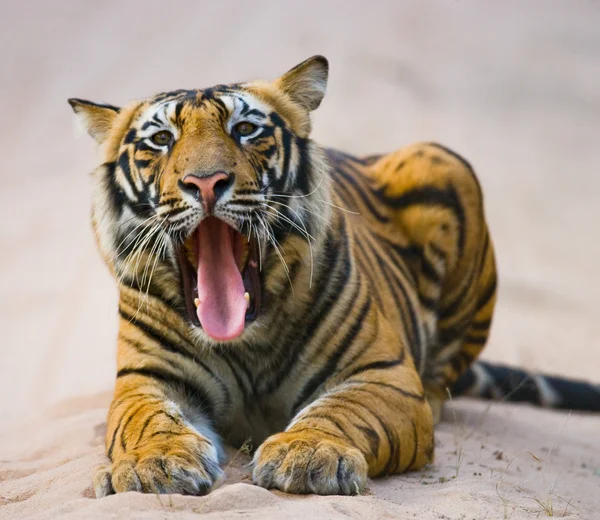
x=318, y=306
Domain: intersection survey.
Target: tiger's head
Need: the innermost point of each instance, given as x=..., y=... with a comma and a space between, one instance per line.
x=208, y=196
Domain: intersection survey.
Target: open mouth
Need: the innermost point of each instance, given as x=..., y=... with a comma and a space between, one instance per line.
x=220, y=279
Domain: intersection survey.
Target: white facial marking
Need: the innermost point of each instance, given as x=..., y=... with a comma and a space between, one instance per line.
x=240, y=107
x=162, y=117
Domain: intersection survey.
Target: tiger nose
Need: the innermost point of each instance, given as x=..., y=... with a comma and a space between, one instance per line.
x=208, y=188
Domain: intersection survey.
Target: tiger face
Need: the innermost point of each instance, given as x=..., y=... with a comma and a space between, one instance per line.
x=206, y=187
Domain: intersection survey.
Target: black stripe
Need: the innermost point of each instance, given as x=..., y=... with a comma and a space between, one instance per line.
x=372, y=438
x=429, y=271
x=154, y=335
x=481, y=326
x=305, y=172
x=415, y=448
x=176, y=211
x=163, y=96
x=389, y=277
x=154, y=291
x=336, y=259
x=225, y=356
x=196, y=395
x=253, y=112
x=322, y=416
x=360, y=190
x=401, y=256
x=345, y=410
x=474, y=340
x=485, y=298
x=330, y=367
x=287, y=152
x=142, y=349
x=129, y=136
x=446, y=335
x=118, y=197
x=394, y=459
x=453, y=307
x=312, y=429
x=405, y=393
x=367, y=343
x=377, y=365
x=428, y=303
x=431, y=196
x=164, y=432
x=178, y=109
x=129, y=419
x=127, y=395
x=123, y=163
x=114, y=435
x=438, y=252
x=462, y=160
x=461, y=361
x=390, y=434
x=142, y=163
x=147, y=422
x=362, y=257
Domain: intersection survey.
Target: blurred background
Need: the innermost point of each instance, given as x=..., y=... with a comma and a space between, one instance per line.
x=512, y=85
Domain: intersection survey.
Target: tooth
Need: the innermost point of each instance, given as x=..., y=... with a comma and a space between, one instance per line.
x=247, y=297
x=196, y=302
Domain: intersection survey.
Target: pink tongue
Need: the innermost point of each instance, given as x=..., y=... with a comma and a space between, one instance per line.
x=222, y=309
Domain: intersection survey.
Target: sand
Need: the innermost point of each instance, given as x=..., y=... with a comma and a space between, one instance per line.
x=511, y=85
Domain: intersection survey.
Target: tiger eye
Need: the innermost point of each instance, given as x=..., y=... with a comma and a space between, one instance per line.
x=245, y=128
x=162, y=138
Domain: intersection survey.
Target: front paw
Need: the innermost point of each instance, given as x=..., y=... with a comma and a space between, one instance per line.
x=184, y=463
x=309, y=462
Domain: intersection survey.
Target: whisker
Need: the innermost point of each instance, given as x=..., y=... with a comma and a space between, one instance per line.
x=258, y=237
x=339, y=207
x=159, y=253
x=305, y=194
x=304, y=232
x=302, y=229
x=301, y=208
x=156, y=228
x=143, y=223
x=273, y=240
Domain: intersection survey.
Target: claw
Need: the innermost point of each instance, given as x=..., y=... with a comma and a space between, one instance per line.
x=196, y=302
x=247, y=298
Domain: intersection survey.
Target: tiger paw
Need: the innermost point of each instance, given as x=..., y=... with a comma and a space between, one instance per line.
x=186, y=463
x=309, y=463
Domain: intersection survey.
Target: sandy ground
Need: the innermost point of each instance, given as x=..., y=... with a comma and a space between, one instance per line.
x=512, y=85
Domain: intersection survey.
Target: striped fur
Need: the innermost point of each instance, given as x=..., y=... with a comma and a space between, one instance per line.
x=378, y=283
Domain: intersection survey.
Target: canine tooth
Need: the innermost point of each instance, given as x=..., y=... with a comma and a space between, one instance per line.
x=196, y=302
x=247, y=297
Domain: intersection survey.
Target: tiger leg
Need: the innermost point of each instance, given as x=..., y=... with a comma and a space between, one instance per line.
x=461, y=352
x=438, y=204
x=152, y=445
x=371, y=420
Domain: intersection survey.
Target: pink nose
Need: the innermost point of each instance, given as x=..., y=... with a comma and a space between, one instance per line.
x=210, y=187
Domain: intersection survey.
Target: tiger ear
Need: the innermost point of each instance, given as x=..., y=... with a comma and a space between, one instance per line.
x=306, y=83
x=97, y=118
